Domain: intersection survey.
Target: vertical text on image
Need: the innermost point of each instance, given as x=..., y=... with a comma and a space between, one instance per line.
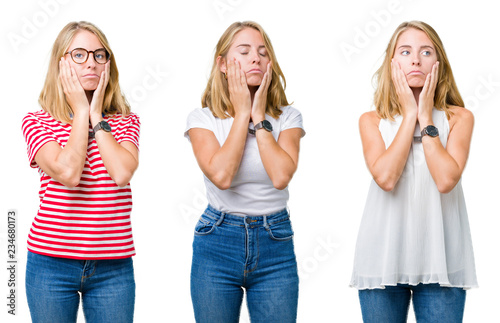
x=11, y=261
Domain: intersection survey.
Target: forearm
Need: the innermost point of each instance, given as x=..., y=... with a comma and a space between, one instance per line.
x=279, y=165
x=225, y=162
x=66, y=165
x=389, y=166
x=444, y=170
x=120, y=163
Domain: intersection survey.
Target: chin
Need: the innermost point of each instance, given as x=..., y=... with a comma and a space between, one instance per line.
x=254, y=81
x=416, y=83
x=90, y=86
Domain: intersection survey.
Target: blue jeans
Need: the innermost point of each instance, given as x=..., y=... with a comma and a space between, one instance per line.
x=431, y=302
x=54, y=285
x=252, y=253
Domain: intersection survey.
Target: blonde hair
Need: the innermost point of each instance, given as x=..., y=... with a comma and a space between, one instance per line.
x=216, y=94
x=446, y=95
x=52, y=98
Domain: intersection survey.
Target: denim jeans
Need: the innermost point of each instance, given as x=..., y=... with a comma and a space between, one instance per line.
x=54, y=285
x=252, y=253
x=431, y=302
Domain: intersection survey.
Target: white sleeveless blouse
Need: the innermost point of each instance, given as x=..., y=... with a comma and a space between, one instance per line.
x=414, y=234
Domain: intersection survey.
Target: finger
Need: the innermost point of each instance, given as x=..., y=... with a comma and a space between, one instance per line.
x=74, y=77
x=269, y=73
x=396, y=74
x=108, y=72
x=69, y=75
x=100, y=86
x=435, y=76
x=398, y=77
x=230, y=74
x=235, y=77
x=63, y=75
x=61, y=72
x=103, y=80
x=266, y=81
x=241, y=74
x=425, y=89
x=431, y=87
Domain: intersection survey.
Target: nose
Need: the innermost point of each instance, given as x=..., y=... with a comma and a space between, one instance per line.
x=90, y=61
x=415, y=60
x=256, y=58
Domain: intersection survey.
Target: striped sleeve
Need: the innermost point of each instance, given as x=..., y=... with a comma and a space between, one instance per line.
x=128, y=129
x=36, y=135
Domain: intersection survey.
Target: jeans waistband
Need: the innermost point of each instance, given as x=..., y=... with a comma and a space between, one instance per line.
x=250, y=220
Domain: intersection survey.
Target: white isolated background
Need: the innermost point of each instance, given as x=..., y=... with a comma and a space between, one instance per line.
x=328, y=51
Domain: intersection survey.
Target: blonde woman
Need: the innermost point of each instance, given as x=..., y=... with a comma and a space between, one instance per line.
x=84, y=144
x=246, y=141
x=414, y=240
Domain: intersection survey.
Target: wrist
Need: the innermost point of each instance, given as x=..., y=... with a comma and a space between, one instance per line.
x=424, y=122
x=243, y=117
x=257, y=120
x=80, y=116
x=242, y=110
x=411, y=117
x=258, y=117
x=95, y=118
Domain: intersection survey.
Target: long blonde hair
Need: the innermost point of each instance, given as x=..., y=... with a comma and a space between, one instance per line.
x=216, y=94
x=52, y=97
x=446, y=94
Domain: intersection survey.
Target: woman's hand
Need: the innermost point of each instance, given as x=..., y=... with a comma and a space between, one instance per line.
x=426, y=97
x=98, y=96
x=73, y=90
x=239, y=94
x=403, y=91
x=260, y=98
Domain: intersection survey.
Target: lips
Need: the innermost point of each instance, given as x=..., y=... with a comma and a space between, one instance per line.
x=255, y=70
x=416, y=73
x=90, y=75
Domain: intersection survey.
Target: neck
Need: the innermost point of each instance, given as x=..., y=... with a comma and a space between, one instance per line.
x=253, y=90
x=416, y=93
x=89, y=95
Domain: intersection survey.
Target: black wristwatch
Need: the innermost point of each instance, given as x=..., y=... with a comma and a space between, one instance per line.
x=430, y=130
x=102, y=125
x=264, y=124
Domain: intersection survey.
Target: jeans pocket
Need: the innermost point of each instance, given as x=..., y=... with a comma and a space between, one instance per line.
x=204, y=226
x=281, y=231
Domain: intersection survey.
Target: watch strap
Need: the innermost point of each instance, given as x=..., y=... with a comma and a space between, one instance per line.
x=101, y=125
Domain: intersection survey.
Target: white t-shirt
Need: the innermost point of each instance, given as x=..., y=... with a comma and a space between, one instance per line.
x=251, y=191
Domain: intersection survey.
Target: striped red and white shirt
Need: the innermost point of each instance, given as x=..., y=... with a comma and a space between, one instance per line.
x=91, y=220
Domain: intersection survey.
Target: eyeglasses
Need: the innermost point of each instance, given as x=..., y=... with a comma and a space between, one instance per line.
x=80, y=55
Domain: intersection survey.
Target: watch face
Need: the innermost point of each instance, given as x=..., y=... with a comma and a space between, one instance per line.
x=105, y=126
x=267, y=125
x=432, y=131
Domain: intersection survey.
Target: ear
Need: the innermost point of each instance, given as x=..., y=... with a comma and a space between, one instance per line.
x=222, y=64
